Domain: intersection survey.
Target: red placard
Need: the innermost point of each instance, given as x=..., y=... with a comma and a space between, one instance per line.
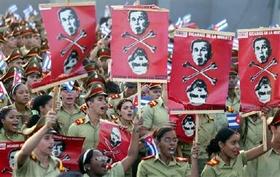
x=7, y=157
x=185, y=127
x=68, y=150
x=71, y=35
x=113, y=140
x=258, y=55
x=200, y=69
x=139, y=43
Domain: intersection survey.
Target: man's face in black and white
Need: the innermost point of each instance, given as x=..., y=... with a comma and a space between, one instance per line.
x=138, y=21
x=263, y=90
x=138, y=62
x=70, y=62
x=261, y=49
x=115, y=137
x=200, y=52
x=57, y=149
x=197, y=93
x=69, y=21
x=188, y=126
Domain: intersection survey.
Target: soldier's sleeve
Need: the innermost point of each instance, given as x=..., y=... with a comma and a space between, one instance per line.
x=208, y=172
x=148, y=117
x=73, y=130
x=220, y=121
x=141, y=171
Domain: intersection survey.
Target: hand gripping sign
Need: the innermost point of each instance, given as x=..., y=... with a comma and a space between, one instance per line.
x=258, y=68
x=70, y=36
x=202, y=63
x=139, y=43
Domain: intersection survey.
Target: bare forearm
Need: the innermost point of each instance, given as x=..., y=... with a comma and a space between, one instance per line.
x=254, y=152
x=134, y=144
x=194, y=170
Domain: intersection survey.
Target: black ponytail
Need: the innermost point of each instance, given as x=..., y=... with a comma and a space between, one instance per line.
x=222, y=136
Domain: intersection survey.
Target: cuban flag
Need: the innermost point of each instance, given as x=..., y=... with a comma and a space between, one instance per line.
x=3, y=91
x=28, y=12
x=12, y=9
x=233, y=120
x=68, y=85
x=220, y=26
x=17, y=77
x=150, y=146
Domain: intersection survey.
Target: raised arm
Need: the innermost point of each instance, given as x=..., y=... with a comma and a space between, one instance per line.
x=34, y=140
x=194, y=157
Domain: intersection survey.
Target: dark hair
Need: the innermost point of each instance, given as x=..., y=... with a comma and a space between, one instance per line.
x=121, y=102
x=3, y=112
x=159, y=133
x=264, y=81
x=39, y=101
x=222, y=136
x=266, y=42
x=112, y=87
x=71, y=174
x=208, y=45
x=197, y=83
x=85, y=159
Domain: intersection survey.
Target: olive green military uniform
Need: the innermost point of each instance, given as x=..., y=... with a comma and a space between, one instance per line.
x=15, y=137
x=155, y=114
x=154, y=167
x=83, y=128
x=269, y=164
x=217, y=167
x=251, y=136
x=206, y=131
x=116, y=171
x=65, y=119
x=4, y=101
x=33, y=168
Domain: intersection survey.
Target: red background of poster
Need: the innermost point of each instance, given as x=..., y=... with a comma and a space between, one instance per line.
x=248, y=99
x=221, y=55
x=73, y=148
x=119, y=151
x=5, y=149
x=86, y=15
x=157, y=69
x=180, y=132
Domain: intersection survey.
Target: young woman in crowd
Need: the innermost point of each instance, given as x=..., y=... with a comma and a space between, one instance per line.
x=125, y=110
x=21, y=97
x=165, y=164
x=227, y=159
x=9, y=125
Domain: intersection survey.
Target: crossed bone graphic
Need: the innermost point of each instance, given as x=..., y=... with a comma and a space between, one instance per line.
x=141, y=40
x=212, y=66
x=263, y=69
x=112, y=150
x=82, y=34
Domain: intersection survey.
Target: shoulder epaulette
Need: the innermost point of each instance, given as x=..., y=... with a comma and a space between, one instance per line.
x=80, y=121
x=213, y=162
x=182, y=159
x=33, y=157
x=148, y=157
x=153, y=103
x=60, y=166
x=115, y=96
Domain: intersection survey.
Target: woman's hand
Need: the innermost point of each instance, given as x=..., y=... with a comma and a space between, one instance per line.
x=195, y=150
x=51, y=119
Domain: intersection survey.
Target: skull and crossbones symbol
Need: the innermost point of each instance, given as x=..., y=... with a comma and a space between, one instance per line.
x=137, y=40
x=72, y=42
x=263, y=69
x=212, y=66
x=188, y=126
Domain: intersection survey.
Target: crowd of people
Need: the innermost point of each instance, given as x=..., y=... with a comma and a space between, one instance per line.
x=36, y=117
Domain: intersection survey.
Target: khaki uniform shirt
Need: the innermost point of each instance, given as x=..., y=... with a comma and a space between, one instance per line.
x=155, y=115
x=65, y=119
x=116, y=171
x=14, y=137
x=220, y=169
x=269, y=164
x=84, y=128
x=154, y=167
x=33, y=168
